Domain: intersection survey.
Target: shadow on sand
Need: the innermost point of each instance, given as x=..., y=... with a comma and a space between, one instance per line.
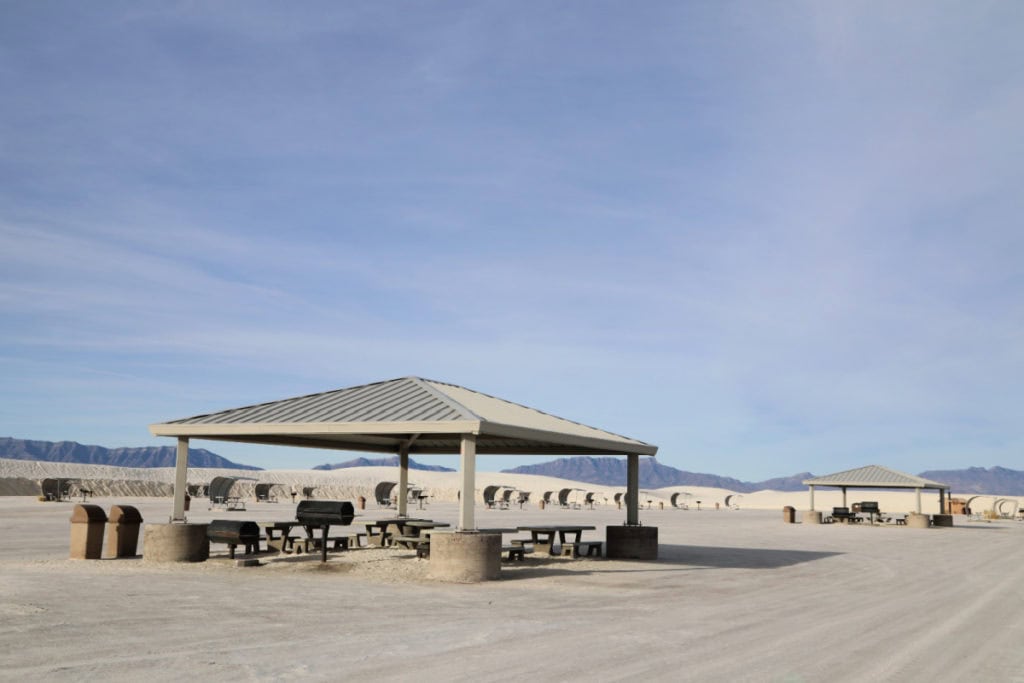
x=720, y=557
x=673, y=558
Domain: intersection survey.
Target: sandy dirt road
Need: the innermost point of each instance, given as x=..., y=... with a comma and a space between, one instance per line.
x=735, y=595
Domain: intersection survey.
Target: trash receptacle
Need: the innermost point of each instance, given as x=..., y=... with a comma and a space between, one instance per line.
x=541, y=504
x=188, y=502
x=362, y=502
x=87, y=522
x=123, y=531
x=789, y=514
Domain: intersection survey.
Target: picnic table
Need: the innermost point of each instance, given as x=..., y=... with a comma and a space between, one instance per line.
x=488, y=530
x=415, y=531
x=543, y=537
x=379, y=532
x=228, y=503
x=278, y=537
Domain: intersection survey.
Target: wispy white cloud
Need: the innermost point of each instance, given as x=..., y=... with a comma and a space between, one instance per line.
x=768, y=242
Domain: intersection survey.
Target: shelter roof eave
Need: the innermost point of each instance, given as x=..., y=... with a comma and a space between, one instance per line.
x=299, y=429
x=874, y=485
x=431, y=438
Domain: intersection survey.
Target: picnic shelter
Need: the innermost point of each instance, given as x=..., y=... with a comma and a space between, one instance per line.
x=878, y=477
x=409, y=415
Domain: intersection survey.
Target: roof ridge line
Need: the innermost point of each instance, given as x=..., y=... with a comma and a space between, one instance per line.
x=530, y=408
x=448, y=400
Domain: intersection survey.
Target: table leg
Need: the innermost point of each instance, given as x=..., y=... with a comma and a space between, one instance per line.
x=544, y=541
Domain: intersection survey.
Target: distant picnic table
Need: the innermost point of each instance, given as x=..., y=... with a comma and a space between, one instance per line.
x=543, y=537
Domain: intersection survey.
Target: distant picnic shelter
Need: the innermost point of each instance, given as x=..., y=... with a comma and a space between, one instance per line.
x=405, y=416
x=878, y=477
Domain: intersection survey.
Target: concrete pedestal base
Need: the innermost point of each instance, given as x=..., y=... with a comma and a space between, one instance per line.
x=175, y=543
x=631, y=542
x=465, y=557
x=811, y=517
x=916, y=520
x=942, y=520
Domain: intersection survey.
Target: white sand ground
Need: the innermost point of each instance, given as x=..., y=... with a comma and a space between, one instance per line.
x=734, y=595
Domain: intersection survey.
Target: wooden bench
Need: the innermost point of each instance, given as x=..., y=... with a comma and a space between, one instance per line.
x=303, y=544
x=298, y=544
x=582, y=549
x=525, y=543
x=334, y=542
x=409, y=542
x=515, y=552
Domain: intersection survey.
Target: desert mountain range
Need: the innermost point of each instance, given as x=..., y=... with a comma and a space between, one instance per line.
x=148, y=456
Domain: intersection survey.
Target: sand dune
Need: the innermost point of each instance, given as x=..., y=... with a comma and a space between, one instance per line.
x=23, y=477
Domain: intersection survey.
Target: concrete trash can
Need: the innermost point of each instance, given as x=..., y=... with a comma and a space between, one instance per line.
x=123, y=531
x=789, y=514
x=87, y=522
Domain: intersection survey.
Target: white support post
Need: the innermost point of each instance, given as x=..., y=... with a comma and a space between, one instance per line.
x=942, y=501
x=918, y=500
x=403, y=481
x=467, y=463
x=812, y=497
x=632, y=490
x=180, y=480
x=844, y=498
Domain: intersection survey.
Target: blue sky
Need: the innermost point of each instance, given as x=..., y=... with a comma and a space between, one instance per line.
x=767, y=237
